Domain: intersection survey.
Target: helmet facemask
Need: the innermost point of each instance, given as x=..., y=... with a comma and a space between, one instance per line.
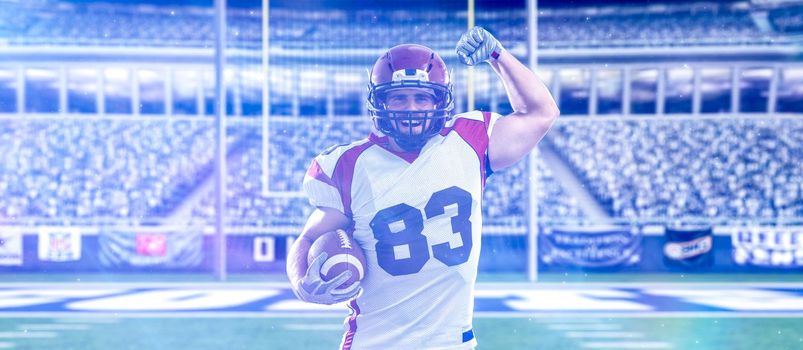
x=401, y=124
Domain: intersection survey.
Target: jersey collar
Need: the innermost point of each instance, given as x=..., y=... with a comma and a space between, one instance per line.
x=384, y=142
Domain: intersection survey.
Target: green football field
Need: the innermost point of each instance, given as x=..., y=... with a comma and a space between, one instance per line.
x=35, y=329
x=325, y=333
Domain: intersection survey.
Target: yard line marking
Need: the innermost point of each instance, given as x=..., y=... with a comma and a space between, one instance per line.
x=54, y=327
x=627, y=345
x=584, y=327
x=88, y=320
x=23, y=334
x=637, y=285
x=555, y=316
x=604, y=334
x=617, y=315
x=313, y=327
x=550, y=320
x=5, y=345
x=123, y=286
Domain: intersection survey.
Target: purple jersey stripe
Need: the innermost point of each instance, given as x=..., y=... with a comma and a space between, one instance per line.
x=348, y=339
x=317, y=173
x=486, y=116
x=475, y=133
x=344, y=174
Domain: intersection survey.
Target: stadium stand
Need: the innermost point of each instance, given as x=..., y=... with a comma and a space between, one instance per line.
x=690, y=168
x=99, y=24
x=101, y=169
x=73, y=170
x=635, y=169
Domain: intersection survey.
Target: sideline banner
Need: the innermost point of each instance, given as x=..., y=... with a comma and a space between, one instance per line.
x=158, y=246
x=602, y=246
x=768, y=246
x=264, y=248
x=10, y=247
x=59, y=244
x=688, y=247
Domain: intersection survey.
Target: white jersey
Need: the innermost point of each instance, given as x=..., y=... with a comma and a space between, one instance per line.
x=417, y=217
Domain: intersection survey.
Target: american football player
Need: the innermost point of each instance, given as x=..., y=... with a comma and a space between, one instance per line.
x=410, y=195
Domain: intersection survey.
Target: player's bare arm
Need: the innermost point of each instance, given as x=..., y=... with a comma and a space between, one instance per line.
x=321, y=220
x=305, y=278
x=534, y=109
x=534, y=112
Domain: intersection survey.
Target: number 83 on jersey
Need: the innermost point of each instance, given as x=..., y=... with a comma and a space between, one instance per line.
x=412, y=237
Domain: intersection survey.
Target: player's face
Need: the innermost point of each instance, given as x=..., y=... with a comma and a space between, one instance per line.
x=410, y=100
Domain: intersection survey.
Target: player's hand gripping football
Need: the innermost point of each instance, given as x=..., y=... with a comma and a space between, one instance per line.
x=313, y=289
x=477, y=45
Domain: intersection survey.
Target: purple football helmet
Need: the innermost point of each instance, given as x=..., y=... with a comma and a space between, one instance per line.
x=403, y=67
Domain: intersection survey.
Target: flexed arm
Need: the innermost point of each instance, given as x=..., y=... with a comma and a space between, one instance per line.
x=534, y=109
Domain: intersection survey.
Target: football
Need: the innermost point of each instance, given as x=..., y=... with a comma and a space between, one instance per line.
x=343, y=254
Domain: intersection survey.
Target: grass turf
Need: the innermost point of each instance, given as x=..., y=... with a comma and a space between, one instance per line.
x=325, y=333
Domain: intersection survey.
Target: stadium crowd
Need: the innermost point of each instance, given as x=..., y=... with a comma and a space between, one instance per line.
x=635, y=169
x=676, y=169
x=68, y=170
x=75, y=170
x=101, y=24
x=94, y=169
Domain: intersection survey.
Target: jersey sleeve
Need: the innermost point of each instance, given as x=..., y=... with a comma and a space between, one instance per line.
x=476, y=128
x=490, y=119
x=319, y=187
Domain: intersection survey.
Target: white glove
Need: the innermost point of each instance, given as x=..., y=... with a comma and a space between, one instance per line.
x=477, y=45
x=311, y=288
